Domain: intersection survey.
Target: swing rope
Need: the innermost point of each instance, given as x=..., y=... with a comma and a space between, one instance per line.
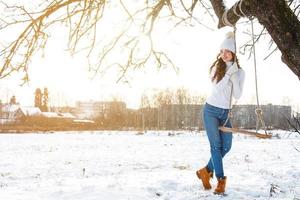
x=258, y=110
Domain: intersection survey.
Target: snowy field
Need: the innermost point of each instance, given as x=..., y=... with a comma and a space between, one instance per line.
x=127, y=166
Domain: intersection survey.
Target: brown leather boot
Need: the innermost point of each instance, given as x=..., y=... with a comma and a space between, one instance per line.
x=204, y=176
x=221, y=186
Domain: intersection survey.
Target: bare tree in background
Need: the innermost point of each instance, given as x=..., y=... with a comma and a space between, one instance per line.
x=45, y=100
x=294, y=122
x=38, y=98
x=13, y=100
x=182, y=96
x=83, y=18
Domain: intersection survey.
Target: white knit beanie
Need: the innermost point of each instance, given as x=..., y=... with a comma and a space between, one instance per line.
x=228, y=42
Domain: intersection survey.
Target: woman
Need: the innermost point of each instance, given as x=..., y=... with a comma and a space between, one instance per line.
x=228, y=80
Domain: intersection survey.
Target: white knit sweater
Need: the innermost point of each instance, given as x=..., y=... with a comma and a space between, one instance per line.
x=220, y=94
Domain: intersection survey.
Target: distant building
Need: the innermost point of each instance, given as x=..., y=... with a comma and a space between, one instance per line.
x=180, y=116
x=274, y=116
x=189, y=117
x=50, y=114
x=94, y=109
x=12, y=113
x=58, y=115
x=171, y=117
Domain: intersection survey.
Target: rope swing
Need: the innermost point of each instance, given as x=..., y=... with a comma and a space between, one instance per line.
x=258, y=110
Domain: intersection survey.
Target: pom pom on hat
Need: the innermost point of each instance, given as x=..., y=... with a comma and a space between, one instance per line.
x=228, y=42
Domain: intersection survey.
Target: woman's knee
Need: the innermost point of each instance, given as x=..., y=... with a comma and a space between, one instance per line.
x=226, y=150
x=226, y=147
x=216, y=147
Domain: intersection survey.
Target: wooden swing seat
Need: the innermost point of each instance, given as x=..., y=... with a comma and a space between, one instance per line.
x=243, y=131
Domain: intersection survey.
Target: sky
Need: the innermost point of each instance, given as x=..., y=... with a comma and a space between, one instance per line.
x=124, y=165
x=192, y=48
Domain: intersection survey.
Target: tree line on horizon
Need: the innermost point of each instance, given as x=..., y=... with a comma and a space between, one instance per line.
x=41, y=99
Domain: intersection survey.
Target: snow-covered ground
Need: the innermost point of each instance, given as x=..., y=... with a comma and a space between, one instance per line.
x=124, y=165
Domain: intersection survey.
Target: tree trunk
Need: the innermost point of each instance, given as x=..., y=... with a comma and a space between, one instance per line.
x=279, y=20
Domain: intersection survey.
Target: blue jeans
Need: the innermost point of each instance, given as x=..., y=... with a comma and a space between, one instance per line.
x=220, y=143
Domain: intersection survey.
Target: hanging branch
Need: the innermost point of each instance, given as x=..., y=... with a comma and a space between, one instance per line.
x=18, y=53
x=84, y=19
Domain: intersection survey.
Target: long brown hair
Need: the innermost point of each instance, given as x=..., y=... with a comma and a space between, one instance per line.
x=221, y=67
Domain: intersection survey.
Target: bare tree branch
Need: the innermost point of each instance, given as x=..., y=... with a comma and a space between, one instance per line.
x=85, y=17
